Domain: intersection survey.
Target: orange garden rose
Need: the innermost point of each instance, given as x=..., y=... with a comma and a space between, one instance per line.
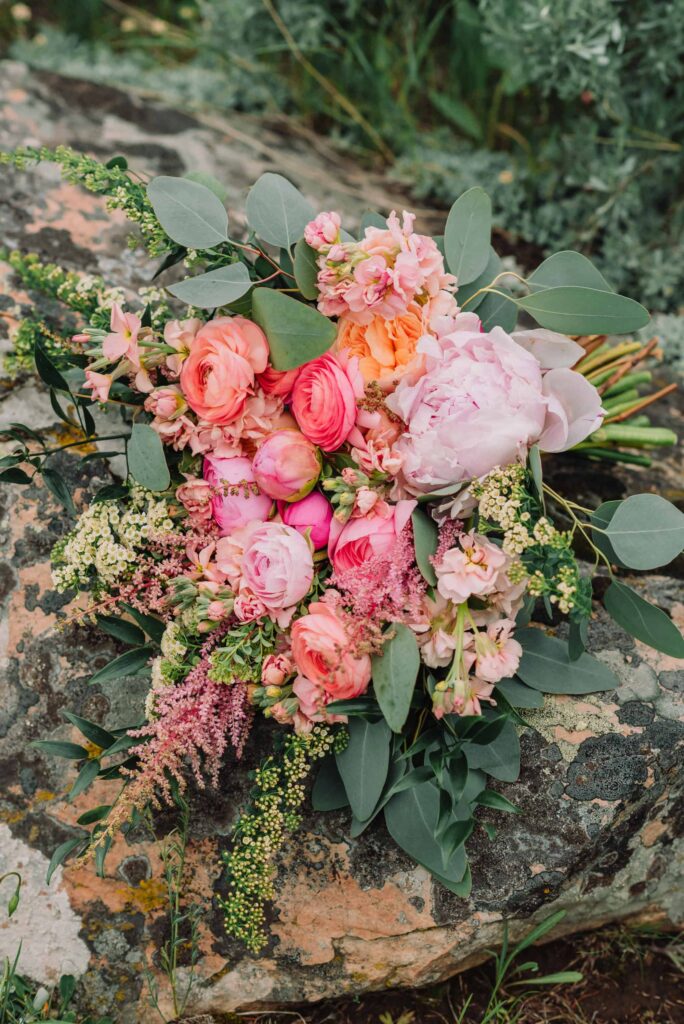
x=384, y=348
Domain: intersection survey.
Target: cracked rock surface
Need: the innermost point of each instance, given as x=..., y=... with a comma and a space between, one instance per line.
x=601, y=785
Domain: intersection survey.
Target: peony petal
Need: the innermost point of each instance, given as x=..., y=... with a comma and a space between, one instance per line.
x=550, y=349
x=572, y=398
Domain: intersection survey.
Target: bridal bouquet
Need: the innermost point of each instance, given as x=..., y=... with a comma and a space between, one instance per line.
x=333, y=513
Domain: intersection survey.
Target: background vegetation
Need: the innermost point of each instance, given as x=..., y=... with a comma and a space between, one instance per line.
x=570, y=115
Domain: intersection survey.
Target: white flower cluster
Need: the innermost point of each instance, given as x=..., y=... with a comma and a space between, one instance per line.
x=104, y=546
x=169, y=666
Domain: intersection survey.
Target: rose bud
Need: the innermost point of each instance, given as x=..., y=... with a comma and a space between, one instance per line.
x=241, y=501
x=287, y=465
x=314, y=513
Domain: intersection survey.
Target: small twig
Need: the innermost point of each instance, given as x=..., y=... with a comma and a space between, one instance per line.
x=642, y=405
x=628, y=365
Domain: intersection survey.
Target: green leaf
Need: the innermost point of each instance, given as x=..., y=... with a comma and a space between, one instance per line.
x=643, y=620
x=93, y=732
x=146, y=459
x=60, y=855
x=47, y=371
x=296, y=333
x=458, y=113
x=488, y=798
x=58, y=489
x=425, y=540
x=573, y=309
x=328, y=793
x=567, y=268
x=462, y=888
x=559, y=978
x=277, y=211
x=498, y=311
x=122, y=630
x=500, y=758
x=128, y=664
x=210, y=182
x=94, y=815
x=546, y=666
x=467, y=234
x=577, y=638
x=61, y=748
x=394, y=675
x=215, y=288
x=534, y=458
x=363, y=764
x=153, y=627
x=411, y=818
x=543, y=928
x=371, y=219
x=190, y=213
x=86, y=776
x=306, y=269
x=601, y=518
x=455, y=835
x=486, y=277
x=14, y=475
x=646, y=531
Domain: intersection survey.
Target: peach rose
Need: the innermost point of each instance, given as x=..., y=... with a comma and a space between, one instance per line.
x=384, y=348
x=320, y=650
x=218, y=376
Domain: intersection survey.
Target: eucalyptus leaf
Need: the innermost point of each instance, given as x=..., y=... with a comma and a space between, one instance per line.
x=411, y=819
x=190, y=213
x=498, y=310
x=601, y=518
x=500, y=758
x=146, y=459
x=394, y=675
x=465, y=292
x=488, y=798
x=328, y=792
x=364, y=763
x=215, y=288
x=573, y=309
x=296, y=333
x=577, y=638
x=467, y=235
x=371, y=219
x=646, y=531
x=643, y=620
x=306, y=269
x=567, y=268
x=277, y=211
x=425, y=540
x=519, y=695
x=546, y=666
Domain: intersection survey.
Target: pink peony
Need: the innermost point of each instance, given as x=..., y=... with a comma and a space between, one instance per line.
x=574, y=410
x=320, y=649
x=287, y=465
x=323, y=231
x=240, y=501
x=269, y=566
x=219, y=374
x=313, y=513
x=360, y=539
x=498, y=654
x=470, y=569
x=324, y=402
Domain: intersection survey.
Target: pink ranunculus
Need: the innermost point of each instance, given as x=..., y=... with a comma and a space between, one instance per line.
x=270, y=563
x=324, y=402
x=275, y=669
x=498, y=654
x=166, y=402
x=123, y=337
x=287, y=465
x=100, y=384
x=479, y=405
x=574, y=410
x=240, y=501
x=320, y=649
x=278, y=382
x=180, y=334
x=323, y=230
x=195, y=495
x=360, y=539
x=470, y=569
x=219, y=374
x=313, y=513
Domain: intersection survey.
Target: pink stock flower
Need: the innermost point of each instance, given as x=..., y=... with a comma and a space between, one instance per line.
x=278, y=382
x=196, y=495
x=219, y=374
x=239, y=500
x=498, y=654
x=360, y=539
x=180, y=334
x=464, y=697
x=320, y=650
x=470, y=569
x=123, y=337
x=270, y=564
x=323, y=231
x=313, y=513
x=324, y=402
x=287, y=465
x=100, y=384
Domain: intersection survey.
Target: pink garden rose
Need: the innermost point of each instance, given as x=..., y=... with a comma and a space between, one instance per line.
x=219, y=374
x=240, y=501
x=270, y=568
x=313, y=513
x=470, y=569
x=324, y=402
x=320, y=650
x=360, y=539
x=287, y=465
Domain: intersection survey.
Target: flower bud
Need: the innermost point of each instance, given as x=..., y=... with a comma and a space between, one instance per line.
x=287, y=465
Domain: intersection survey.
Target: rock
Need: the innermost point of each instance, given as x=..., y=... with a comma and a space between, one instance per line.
x=601, y=787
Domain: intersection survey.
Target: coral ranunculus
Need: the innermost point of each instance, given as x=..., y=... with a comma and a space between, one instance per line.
x=385, y=348
x=324, y=402
x=218, y=375
x=320, y=649
x=287, y=465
